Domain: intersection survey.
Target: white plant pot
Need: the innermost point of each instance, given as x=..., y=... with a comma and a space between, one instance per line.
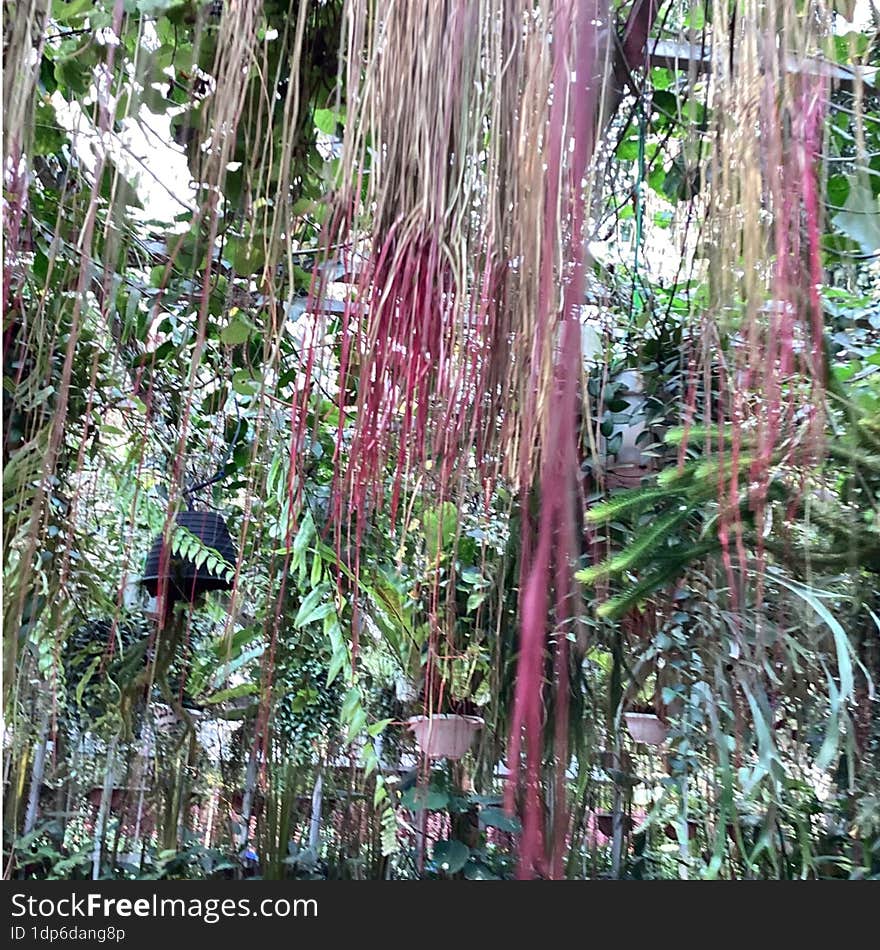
x=445, y=735
x=405, y=690
x=632, y=389
x=164, y=717
x=646, y=727
x=630, y=464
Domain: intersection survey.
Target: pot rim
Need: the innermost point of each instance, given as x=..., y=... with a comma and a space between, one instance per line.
x=477, y=720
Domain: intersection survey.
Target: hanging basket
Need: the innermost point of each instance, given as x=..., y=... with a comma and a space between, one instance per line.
x=445, y=735
x=185, y=580
x=646, y=727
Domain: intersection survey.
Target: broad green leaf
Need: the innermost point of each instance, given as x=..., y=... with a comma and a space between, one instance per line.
x=326, y=120
x=246, y=255
x=378, y=727
x=421, y=799
x=451, y=856
x=837, y=191
x=244, y=384
x=440, y=525
x=496, y=818
x=337, y=662
x=228, y=669
x=65, y=12
x=860, y=218
x=477, y=871
x=237, y=330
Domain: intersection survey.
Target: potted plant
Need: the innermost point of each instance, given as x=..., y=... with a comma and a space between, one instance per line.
x=451, y=697
x=445, y=735
x=645, y=725
x=628, y=432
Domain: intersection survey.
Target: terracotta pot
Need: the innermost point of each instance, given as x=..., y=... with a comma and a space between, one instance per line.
x=445, y=735
x=626, y=476
x=236, y=801
x=646, y=727
x=671, y=830
x=120, y=797
x=605, y=823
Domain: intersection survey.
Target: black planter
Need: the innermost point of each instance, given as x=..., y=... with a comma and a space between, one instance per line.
x=185, y=581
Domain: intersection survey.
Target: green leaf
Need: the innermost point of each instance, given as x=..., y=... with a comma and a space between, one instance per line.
x=837, y=191
x=496, y=818
x=247, y=255
x=317, y=570
x=696, y=18
x=828, y=751
x=661, y=78
x=451, y=856
x=662, y=219
x=356, y=724
x=440, y=526
x=237, y=330
x=350, y=703
x=326, y=120
x=421, y=799
x=767, y=752
x=860, y=218
x=378, y=727
x=339, y=656
x=476, y=871
x=841, y=640
x=337, y=662
x=48, y=134
x=244, y=384
x=628, y=150
x=665, y=103
x=65, y=12
x=304, y=535
x=234, y=692
x=850, y=48
x=312, y=607
x=225, y=671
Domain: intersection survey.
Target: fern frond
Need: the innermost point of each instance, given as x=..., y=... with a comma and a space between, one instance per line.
x=627, y=501
x=635, y=552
